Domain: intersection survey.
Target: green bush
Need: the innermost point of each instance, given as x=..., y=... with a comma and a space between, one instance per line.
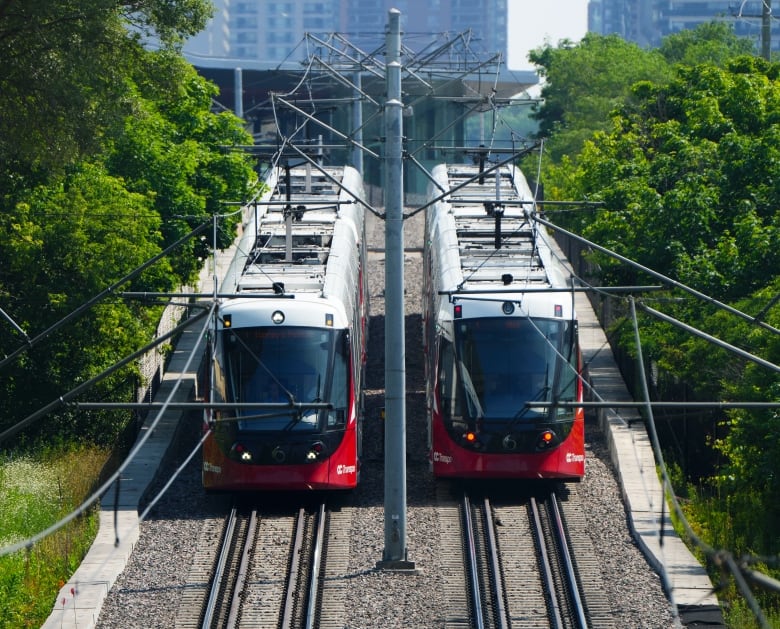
x=36, y=492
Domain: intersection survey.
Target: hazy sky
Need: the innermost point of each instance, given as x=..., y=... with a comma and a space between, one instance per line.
x=533, y=22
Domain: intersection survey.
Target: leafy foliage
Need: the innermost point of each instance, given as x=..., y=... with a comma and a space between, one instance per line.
x=64, y=245
x=583, y=84
x=714, y=43
x=110, y=154
x=685, y=178
x=686, y=165
x=174, y=148
x=63, y=70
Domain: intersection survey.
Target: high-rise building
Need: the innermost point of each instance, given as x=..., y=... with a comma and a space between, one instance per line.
x=647, y=22
x=271, y=32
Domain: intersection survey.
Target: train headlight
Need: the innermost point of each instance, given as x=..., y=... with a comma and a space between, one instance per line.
x=507, y=307
x=315, y=451
x=277, y=317
x=547, y=439
x=242, y=453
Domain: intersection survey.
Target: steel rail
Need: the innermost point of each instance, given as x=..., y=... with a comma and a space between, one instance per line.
x=219, y=574
x=545, y=567
x=502, y=619
x=243, y=569
x=471, y=564
x=316, y=565
x=288, y=613
x=565, y=557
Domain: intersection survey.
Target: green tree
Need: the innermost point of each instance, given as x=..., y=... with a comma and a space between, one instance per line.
x=111, y=152
x=584, y=82
x=713, y=42
x=63, y=69
x=686, y=177
x=746, y=487
x=174, y=147
x=62, y=245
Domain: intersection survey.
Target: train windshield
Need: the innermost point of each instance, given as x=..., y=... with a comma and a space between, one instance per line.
x=501, y=366
x=287, y=365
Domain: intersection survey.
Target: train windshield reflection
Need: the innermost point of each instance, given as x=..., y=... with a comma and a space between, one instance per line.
x=287, y=365
x=503, y=365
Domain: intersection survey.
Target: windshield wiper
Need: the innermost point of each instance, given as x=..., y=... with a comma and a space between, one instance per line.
x=540, y=395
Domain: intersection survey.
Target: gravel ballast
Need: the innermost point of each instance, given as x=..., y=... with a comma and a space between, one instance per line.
x=148, y=592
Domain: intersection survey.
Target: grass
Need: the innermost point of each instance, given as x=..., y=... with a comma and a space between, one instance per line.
x=36, y=492
x=732, y=521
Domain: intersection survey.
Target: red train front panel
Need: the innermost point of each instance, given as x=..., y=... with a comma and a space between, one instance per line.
x=565, y=462
x=339, y=470
x=502, y=400
x=289, y=370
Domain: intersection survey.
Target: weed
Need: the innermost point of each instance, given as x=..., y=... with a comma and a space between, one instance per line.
x=34, y=494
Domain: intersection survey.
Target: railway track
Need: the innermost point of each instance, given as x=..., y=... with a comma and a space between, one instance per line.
x=565, y=606
x=244, y=585
x=483, y=566
x=517, y=567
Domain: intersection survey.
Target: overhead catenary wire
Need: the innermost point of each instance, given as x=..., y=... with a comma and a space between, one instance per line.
x=609, y=291
x=707, y=337
x=133, y=452
x=84, y=386
x=667, y=280
x=670, y=494
x=99, y=297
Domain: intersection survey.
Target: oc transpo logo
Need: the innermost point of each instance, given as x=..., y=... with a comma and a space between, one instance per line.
x=574, y=458
x=345, y=469
x=438, y=457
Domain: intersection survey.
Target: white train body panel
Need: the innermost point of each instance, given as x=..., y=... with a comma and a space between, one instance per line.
x=500, y=333
x=465, y=257
x=291, y=322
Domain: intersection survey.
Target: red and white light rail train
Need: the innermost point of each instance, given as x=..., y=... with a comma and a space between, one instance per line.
x=287, y=352
x=500, y=334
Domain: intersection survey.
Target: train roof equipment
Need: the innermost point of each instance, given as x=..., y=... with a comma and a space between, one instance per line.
x=490, y=248
x=301, y=238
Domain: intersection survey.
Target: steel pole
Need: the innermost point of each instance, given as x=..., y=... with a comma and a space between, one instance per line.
x=238, y=78
x=766, y=29
x=395, y=552
x=357, y=123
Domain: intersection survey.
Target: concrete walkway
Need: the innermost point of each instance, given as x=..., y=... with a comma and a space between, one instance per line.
x=688, y=584
x=80, y=600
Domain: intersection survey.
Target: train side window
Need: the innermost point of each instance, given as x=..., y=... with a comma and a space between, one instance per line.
x=448, y=380
x=340, y=386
